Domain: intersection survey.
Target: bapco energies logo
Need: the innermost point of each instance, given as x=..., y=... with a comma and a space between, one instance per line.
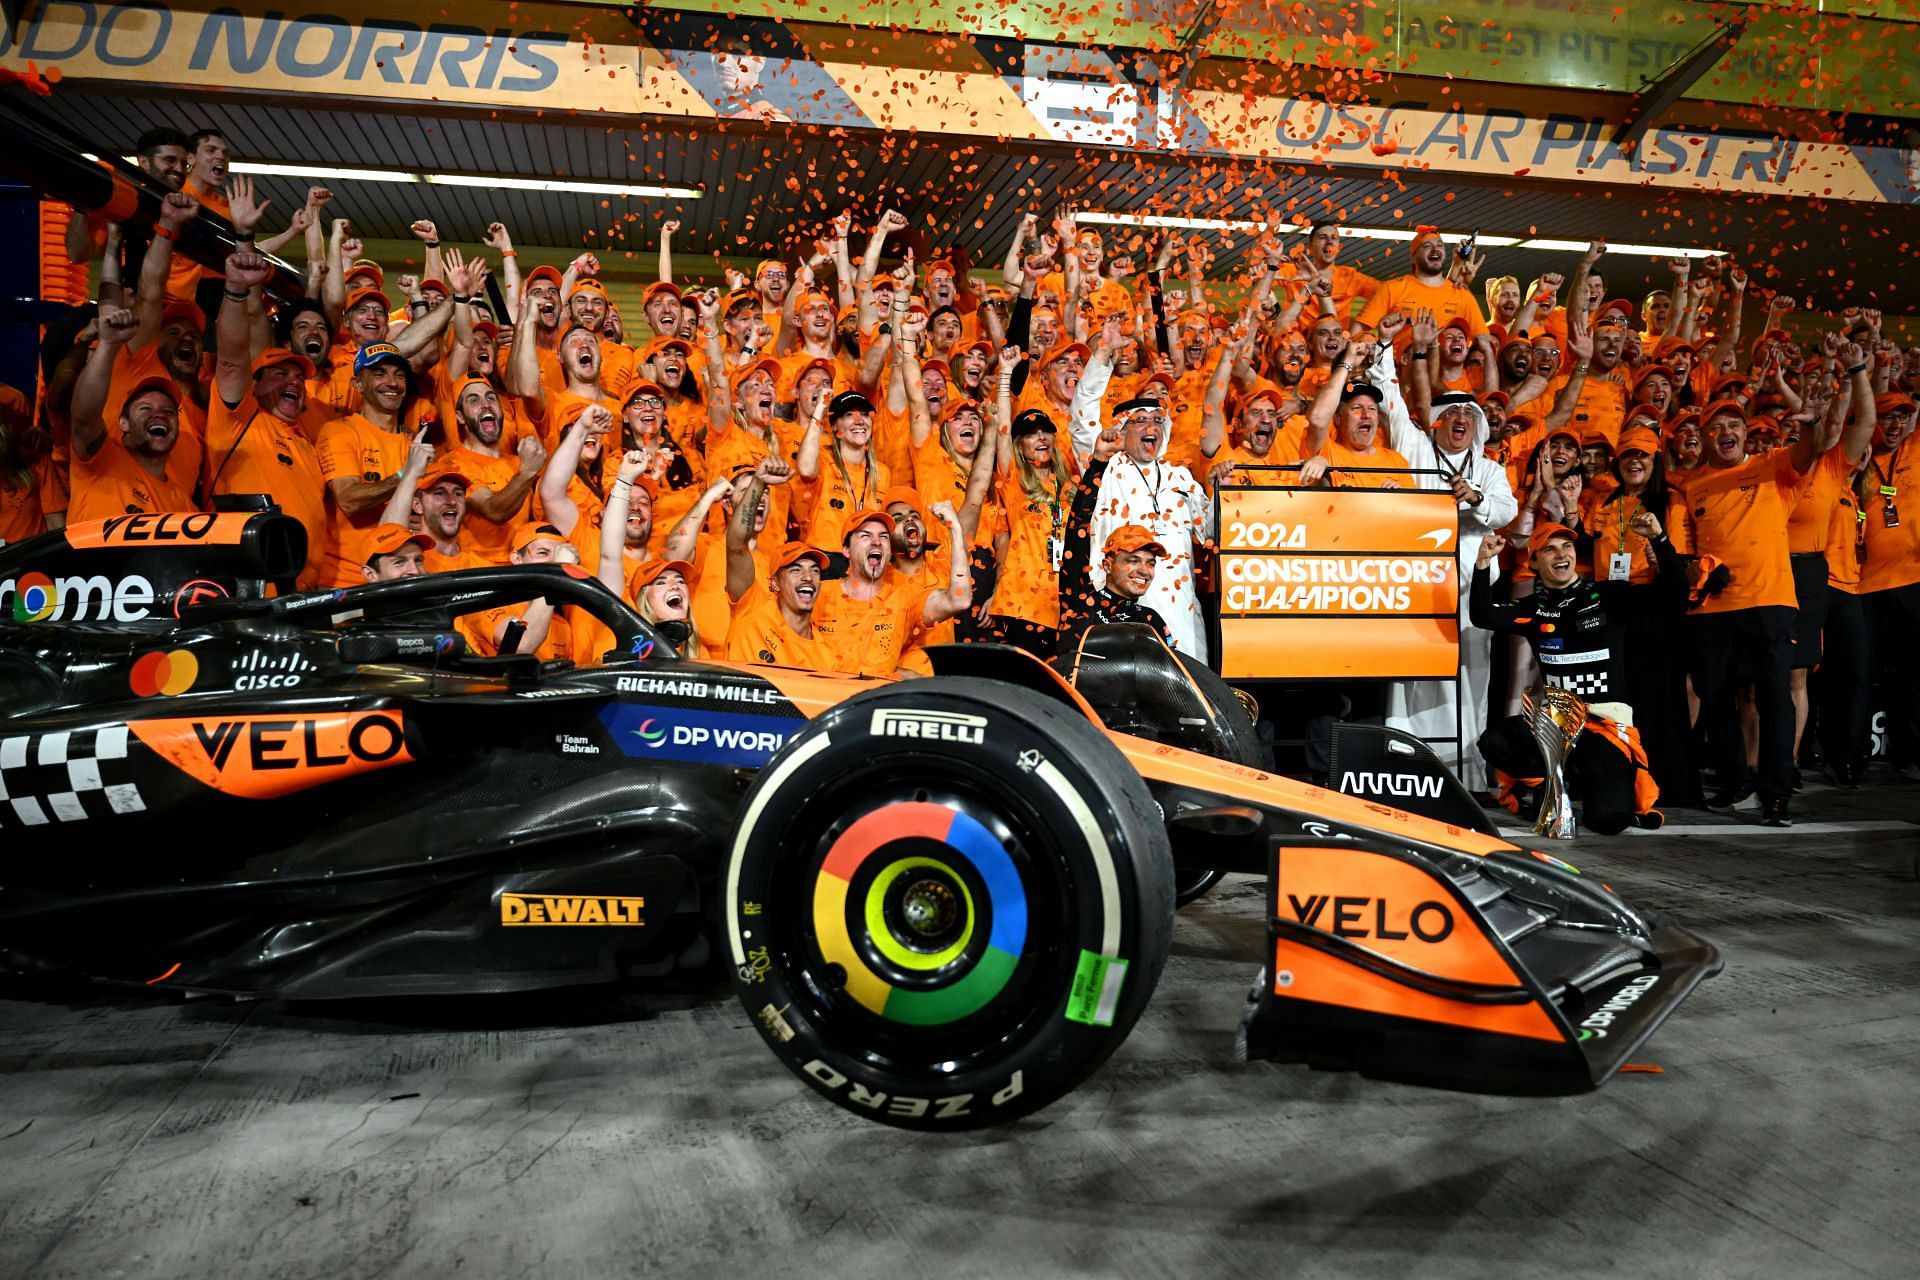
x=34, y=598
x=164, y=674
x=650, y=733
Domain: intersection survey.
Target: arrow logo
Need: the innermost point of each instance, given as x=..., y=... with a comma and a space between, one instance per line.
x=1438, y=537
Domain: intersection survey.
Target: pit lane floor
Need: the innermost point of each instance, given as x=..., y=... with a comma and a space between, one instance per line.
x=583, y=1135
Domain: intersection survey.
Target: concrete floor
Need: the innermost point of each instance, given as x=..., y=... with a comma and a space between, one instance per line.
x=580, y=1135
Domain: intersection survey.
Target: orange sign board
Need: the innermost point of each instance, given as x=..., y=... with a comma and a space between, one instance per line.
x=261, y=757
x=1322, y=583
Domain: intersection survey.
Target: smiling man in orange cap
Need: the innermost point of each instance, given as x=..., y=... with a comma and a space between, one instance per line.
x=117, y=472
x=1428, y=285
x=866, y=630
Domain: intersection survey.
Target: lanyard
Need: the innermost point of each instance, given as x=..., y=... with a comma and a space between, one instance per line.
x=846, y=477
x=1887, y=489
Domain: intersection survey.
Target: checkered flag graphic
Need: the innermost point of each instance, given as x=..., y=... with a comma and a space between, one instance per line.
x=66, y=776
x=1584, y=683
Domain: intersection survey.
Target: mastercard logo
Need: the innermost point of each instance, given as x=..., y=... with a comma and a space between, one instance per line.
x=163, y=675
x=34, y=598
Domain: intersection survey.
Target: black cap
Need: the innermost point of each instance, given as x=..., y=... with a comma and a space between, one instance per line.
x=1357, y=389
x=1032, y=422
x=848, y=402
x=1138, y=402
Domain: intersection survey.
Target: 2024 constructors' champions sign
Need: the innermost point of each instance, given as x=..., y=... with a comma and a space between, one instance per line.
x=1338, y=583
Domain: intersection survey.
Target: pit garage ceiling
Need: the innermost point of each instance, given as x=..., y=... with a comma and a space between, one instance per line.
x=769, y=190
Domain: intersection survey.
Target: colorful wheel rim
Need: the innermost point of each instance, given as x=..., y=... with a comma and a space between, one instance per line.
x=928, y=865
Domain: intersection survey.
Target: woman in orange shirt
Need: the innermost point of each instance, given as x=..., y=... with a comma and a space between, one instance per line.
x=1036, y=493
x=1656, y=609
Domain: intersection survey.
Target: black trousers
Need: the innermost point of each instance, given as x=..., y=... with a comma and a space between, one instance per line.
x=1842, y=689
x=1896, y=624
x=1599, y=774
x=1657, y=692
x=1721, y=647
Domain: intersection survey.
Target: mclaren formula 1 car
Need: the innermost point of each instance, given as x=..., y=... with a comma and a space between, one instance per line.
x=943, y=902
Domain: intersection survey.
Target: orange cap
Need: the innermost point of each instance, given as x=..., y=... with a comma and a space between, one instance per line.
x=440, y=474
x=280, y=355
x=544, y=273
x=362, y=294
x=861, y=517
x=766, y=363
x=385, y=539
x=1544, y=533
x=793, y=553
x=1133, y=537
x=648, y=572
x=1721, y=406
x=532, y=532
x=1639, y=440
x=657, y=288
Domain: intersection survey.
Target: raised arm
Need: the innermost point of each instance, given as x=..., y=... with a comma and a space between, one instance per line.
x=891, y=222
x=177, y=209
x=1542, y=296
x=1213, y=406
x=1083, y=414
x=498, y=240
x=1857, y=437
x=683, y=540
x=233, y=327
x=843, y=278
x=612, y=570
x=808, y=457
x=562, y=512
x=88, y=423
x=957, y=596
x=523, y=362
x=399, y=508
x=665, y=268
x=1580, y=346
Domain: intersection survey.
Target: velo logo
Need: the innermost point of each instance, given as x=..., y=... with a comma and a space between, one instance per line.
x=260, y=757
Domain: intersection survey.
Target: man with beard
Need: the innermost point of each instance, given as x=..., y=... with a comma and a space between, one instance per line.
x=1054, y=378
x=1429, y=285
x=206, y=184
x=810, y=335
x=123, y=472
x=1140, y=487
x=1578, y=630
x=255, y=443
x=1454, y=446
x=661, y=304
x=501, y=497
x=1325, y=340
x=580, y=373
x=866, y=630
x=1739, y=512
x=916, y=560
x=1130, y=559
x=587, y=308
x=1602, y=406
x=362, y=457
x=1343, y=426
x=161, y=154
x=432, y=496
x=1890, y=571
x=169, y=342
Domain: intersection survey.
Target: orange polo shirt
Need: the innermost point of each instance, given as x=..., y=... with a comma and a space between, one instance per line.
x=1341, y=458
x=352, y=448
x=760, y=634
x=868, y=637
x=113, y=483
x=1893, y=555
x=255, y=452
x=1739, y=515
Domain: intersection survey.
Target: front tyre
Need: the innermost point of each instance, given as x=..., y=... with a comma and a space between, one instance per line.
x=948, y=902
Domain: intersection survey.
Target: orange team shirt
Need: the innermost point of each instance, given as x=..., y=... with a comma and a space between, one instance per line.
x=712, y=611
x=1843, y=544
x=354, y=449
x=830, y=497
x=183, y=273
x=1407, y=295
x=938, y=476
x=1739, y=515
x=438, y=561
x=1283, y=452
x=1602, y=406
x=740, y=448
x=186, y=464
x=619, y=368
x=20, y=516
x=484, y=537
x=1029, y=583
x=1610, y=523
x=935, y=571
x=1813, y=514
x=760, y=634
x=113, y=483
x=1341, y=458
x=1892, y=555
x=868, y=637
x=892, y=437
x=1349, y=286
x=255, y=452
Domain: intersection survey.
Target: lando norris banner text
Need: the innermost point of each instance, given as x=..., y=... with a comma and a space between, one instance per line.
x=1338, y=583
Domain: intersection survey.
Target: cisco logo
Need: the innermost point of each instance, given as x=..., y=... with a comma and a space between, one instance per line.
x=260, y=670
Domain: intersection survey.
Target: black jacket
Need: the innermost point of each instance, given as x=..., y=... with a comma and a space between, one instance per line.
x=1082, y=604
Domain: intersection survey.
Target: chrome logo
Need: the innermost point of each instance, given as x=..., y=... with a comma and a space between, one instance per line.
x=34, y=598
x=164, y=674
x=649, y=734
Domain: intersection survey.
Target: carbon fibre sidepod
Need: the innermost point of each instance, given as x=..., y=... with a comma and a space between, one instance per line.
x=1505, y=973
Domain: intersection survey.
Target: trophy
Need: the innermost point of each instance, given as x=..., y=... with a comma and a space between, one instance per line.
x=1556, y=718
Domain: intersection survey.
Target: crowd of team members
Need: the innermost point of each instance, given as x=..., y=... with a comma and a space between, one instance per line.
x=836, y=465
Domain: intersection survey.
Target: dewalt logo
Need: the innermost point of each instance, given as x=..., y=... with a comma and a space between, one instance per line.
x=555, y=909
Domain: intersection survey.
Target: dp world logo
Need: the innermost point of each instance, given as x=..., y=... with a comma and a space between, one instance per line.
x=34, y=598
x=651, y=733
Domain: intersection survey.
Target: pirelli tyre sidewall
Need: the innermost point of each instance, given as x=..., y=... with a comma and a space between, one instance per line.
x=948, y=902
